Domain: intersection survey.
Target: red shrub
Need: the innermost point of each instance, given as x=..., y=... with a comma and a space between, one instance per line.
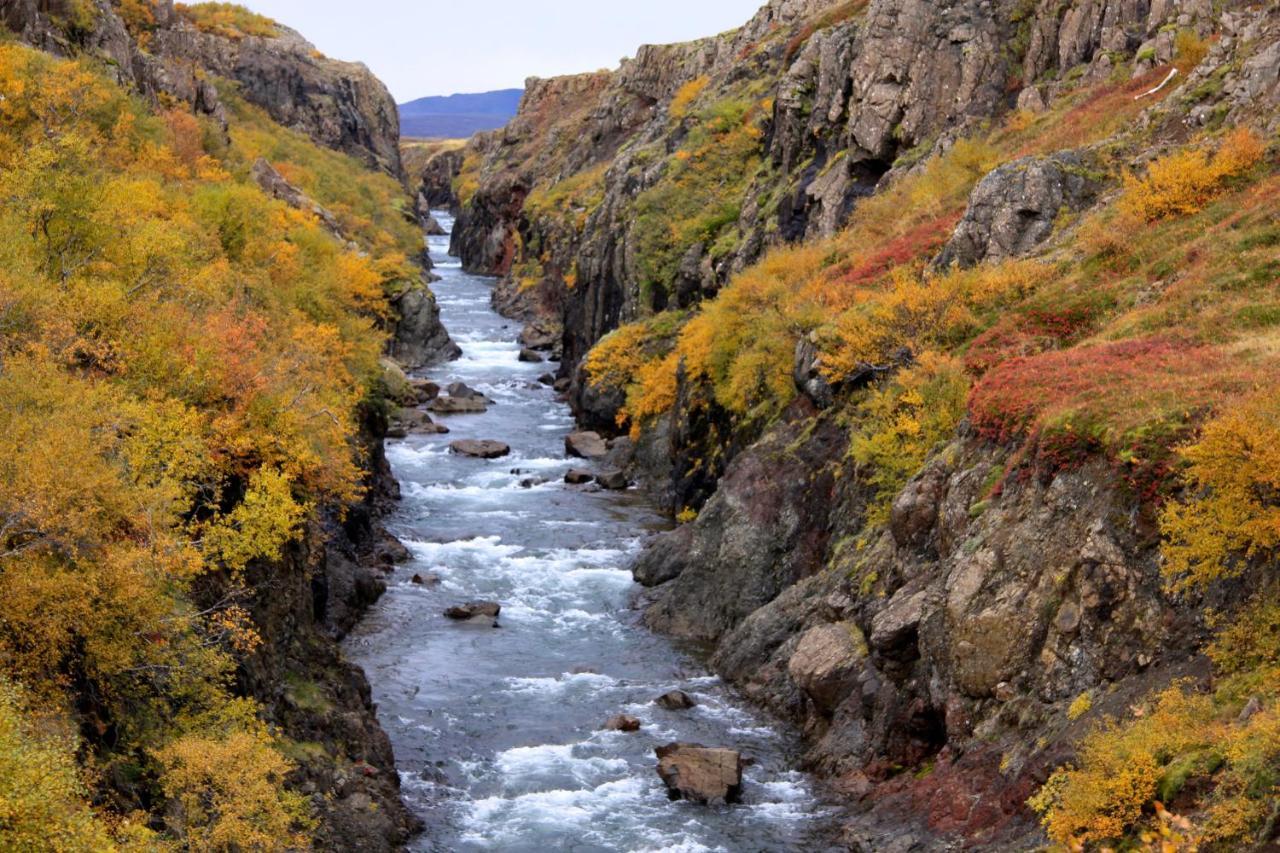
x=1111, y=388
x=921, y=241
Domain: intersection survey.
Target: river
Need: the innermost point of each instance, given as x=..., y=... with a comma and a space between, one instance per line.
x=497, y=730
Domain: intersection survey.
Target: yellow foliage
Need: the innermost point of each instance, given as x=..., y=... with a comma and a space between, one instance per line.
x=226, y=783
x=1184, y=182
x=43, y=803
x=901, y=423
x=467, y=182
x=922, y=311
x=183, y=361
x=259, y=526
x=1189, y=49
x=228, y=20
x=1126, y=769
x=1231, y=513
x=1119, y=770
x=686, y=95
x=1080, y=706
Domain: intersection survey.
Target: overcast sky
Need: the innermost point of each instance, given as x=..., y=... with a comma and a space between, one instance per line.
x=435, y=47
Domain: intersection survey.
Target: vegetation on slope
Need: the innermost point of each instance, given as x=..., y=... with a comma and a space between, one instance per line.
x=183, y=358
x=1146, y=336
x=228, y=20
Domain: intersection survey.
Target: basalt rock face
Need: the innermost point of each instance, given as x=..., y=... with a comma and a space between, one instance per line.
x=957, y=636
x=340, y=105
x=855, y=94
x=1013, y=209
x=952, y=639
x=304, y=603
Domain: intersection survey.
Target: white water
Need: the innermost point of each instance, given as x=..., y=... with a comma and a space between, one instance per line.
x=496, y=731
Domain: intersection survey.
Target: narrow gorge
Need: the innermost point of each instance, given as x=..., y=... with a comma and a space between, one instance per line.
x=852, y=431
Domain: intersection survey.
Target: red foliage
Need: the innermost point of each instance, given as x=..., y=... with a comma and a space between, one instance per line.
x=1028, y=333
x=1112, y=382
x=923, y=240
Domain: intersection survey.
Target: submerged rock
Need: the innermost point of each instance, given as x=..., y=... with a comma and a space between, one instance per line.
x=676, y=700
x=480, y=448
x=530, y=356
x=622, y=723
x=701, y=774
x=475, y=611
x=578, y=477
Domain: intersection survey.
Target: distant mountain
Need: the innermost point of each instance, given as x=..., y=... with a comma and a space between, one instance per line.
x=458, y=116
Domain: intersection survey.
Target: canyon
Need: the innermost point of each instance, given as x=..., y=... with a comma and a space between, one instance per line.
x=929, y=355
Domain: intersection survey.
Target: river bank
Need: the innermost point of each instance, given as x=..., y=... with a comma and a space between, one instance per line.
x=498, y=732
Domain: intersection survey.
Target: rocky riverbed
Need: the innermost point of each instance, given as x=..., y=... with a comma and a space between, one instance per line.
x=505, y=736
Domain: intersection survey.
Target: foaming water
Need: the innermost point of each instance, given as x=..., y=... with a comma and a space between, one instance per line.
x=497, y=731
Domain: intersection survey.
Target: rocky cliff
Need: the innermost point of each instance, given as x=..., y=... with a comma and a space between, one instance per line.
x=949, y=605
x=158, y=49
x=571, y=201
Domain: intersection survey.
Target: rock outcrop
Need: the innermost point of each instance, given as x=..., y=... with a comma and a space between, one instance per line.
x=857, y=93
x=1013, y=209
x=340, y=105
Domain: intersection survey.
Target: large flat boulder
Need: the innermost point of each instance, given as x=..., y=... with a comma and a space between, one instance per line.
x=479, y=448
x=458, y=405
x=701, y=774
x=586, y=445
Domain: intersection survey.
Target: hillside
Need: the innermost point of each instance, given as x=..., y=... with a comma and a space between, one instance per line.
x=207, y=256
x=458, y=116
x=947, y=332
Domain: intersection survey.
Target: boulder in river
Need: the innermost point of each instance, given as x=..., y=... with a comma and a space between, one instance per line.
x=388, y=550
x=463, y=390
x=480, y=448
x=540, y=336
x=613, y=480
x=547, y=379
x=578, y=477
x=475, y=611
x=531, y=356
x=676, y=700
x=458, y=405
x=585, y=445
x=530, y=482
x=426, y=580
x=433, y=228
x=562, y=384
x=424, y=390
x=701, y=774
x=622, y=723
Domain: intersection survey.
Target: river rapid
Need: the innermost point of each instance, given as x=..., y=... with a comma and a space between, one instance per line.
x=497, y=731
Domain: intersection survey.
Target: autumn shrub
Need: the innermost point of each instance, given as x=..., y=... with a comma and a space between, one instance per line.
x=228, y=20
x=1183, y=183
x=1189, y=50
x=1119, y=770
x=1183, y=739
x=699, y=194
x=901, y=422
x=1231, y=515
x=225, y=779
x=920, y=311
x=43, y=800
x=638, y=358
x=195, y=353
x=686, y=95
x=573, y=199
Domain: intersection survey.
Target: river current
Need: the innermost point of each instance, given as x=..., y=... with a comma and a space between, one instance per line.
x=497, y=731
